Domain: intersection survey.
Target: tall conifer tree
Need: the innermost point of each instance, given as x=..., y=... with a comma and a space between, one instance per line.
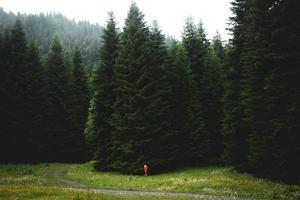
x=205, y=71
x=79, y=106
x=16, y=111
x=271, y=143
x=58, y=136
x=129, y=116
x=234, y=130
x=282, y=85
x=159, y=152
x=35, y=99
x=190, y=138
x=196, y=46
x=103, y=88
x=212, y=93
x=4, y=100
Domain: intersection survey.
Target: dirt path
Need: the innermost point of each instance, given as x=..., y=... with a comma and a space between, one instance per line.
x=169, y=194
x=56, y=175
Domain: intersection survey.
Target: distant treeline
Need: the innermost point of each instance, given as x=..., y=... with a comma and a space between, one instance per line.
x=192, y=103
x=41, y=27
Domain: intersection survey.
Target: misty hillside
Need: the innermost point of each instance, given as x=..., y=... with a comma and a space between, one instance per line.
x=157, y=102
x=41, y=28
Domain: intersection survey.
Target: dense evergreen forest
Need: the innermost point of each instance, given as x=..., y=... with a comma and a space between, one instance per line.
x=194, y=102
x=41, y=27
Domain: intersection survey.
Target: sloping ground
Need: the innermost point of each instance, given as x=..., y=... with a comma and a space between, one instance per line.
x=34, y=192
x=47, y=182
x=57, y=175
x=216, y=181
x=209, y=183
x=167, y=194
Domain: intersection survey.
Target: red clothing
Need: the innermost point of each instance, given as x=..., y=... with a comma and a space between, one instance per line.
x=146, y=169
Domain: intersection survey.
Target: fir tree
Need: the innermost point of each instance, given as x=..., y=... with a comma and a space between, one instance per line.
x=254, y=63
x=187, y=117
x=129, y=110
x=159, y=151
x=205, y=69
x=212, y=93
x=79, y=107
x=196, y=46
x=271, y=144
x=15, y=85
x=218, y=47
x=58, y=139
x=4, y=100
x=282, y=85
x=103, y=88
x=35, y=98
x=177, y=67
x=234, y=130
x=139, y=104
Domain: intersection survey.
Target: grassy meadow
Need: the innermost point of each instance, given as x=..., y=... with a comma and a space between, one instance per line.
x=223, y=181
x=46, y=182
x=50, y=181
x=27, y=191
x=10, y=192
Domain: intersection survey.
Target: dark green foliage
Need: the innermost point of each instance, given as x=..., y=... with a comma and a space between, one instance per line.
x=255, y=63
x=283, y=86
x=218, y=48
x=150, y=104
x=99, y=127
x=79, y=106
x=41, y=28
x=14, y=91
x=43, y=110
x=211, y=94
x=131, y=100
x=196, y=48
x=270, y=89
x=196, y=45
x=4, y=93
x=234, y=130
x=186, y=114
x=57, y=135
x=206, y=69
x=162, y=149
x=35, y=98
x=264, y=61
x=142, y=130
x=22, y=97
x=66, y=109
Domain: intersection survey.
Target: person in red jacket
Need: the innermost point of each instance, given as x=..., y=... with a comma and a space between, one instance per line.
x=146, y=170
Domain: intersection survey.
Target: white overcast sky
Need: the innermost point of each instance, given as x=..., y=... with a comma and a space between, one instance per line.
x=170, y=14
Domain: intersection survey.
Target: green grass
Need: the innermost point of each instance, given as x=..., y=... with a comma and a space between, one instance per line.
x=205, y=180
x=42, y=182
x=47, y=181
x=12, y=192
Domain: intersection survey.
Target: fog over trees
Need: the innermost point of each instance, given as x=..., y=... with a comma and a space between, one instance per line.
x=72, y=92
